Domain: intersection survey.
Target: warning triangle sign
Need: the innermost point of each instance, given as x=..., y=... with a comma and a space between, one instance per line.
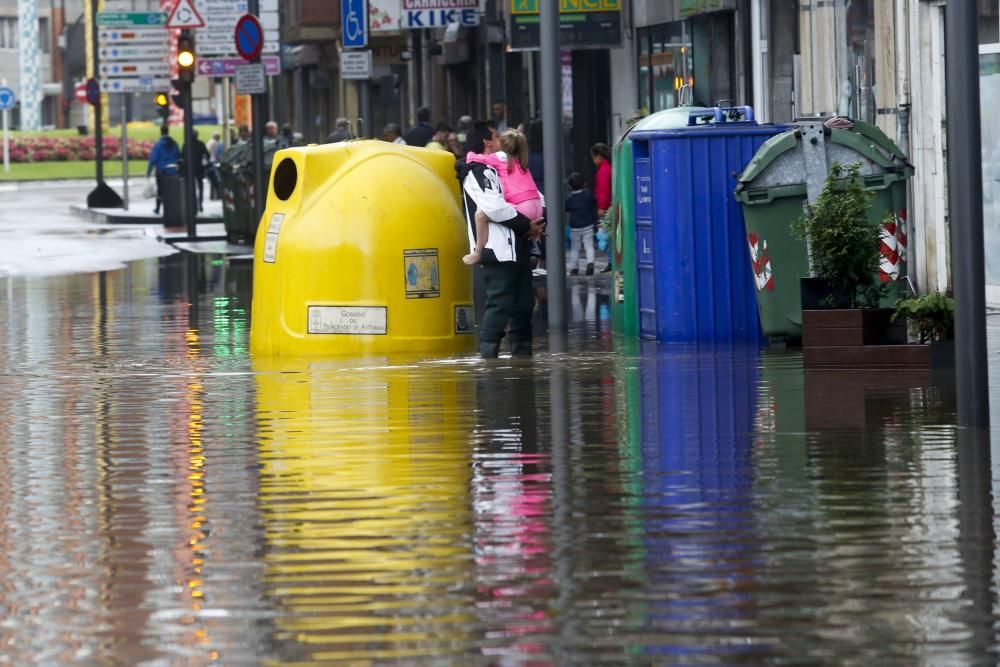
x=184, y=15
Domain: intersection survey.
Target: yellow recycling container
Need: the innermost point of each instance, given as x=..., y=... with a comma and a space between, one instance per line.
x=360, y=252
x=366, y=506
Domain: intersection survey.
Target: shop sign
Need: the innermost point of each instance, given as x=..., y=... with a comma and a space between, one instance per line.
x=583, y=24
x=531, y=6
x=693, y=7
x=420, y=14
x=385, y=15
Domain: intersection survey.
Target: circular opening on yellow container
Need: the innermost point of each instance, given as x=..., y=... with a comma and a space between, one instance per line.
x=285, y=178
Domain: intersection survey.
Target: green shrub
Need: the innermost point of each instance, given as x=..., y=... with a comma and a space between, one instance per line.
x=933, y=315
x=843, y=243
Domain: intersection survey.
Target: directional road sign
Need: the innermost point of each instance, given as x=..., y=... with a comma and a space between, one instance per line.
x=354, y=23
x=140, y=84
x=133, y=36
x=132, y=53
x=184, y=16
x=7, y=99
x=248, y=37
x=130, y=19
x=216, y=38
x=221, y=67
x=133, y=48
x=130, y=69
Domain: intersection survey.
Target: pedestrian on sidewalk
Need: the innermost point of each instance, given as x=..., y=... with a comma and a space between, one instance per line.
x=582, y=209
x=215, y=148
x=422, y=132
x=202, y=161
x=163, y=158
x=601, y=155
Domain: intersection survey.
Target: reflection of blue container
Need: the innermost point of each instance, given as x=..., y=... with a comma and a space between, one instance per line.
x=698, y=412
x=695, y=280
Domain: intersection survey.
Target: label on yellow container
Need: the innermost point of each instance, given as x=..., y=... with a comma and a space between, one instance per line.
x=356, y=320
x=271, y=241
x=420, y=271
x=465, y=319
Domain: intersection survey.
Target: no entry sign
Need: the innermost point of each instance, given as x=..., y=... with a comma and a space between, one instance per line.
x=249, y=37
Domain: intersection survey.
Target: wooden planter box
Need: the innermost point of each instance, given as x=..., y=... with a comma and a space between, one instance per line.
x=851, y=326
x=866, y=338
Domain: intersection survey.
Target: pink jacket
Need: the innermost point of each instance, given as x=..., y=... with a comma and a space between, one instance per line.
x=518, y=185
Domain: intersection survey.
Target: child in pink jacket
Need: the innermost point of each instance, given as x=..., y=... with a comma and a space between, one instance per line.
x=518, y=186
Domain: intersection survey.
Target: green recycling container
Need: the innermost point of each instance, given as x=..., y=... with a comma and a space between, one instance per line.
x=789, y=170
x=236, y=179
x=625, y=293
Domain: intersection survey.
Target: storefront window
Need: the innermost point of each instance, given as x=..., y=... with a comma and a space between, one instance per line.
x=667, y=61
x=846, y=70
x=989, y=22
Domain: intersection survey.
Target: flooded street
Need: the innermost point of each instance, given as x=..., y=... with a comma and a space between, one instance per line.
x=166, y=499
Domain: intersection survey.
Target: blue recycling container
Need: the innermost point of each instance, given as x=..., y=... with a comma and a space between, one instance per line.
x=695, y=281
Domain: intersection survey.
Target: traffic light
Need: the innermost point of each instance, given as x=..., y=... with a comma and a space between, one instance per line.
x=162, y=106
x=185, y=57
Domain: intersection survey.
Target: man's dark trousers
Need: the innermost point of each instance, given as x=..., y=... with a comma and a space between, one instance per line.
x=510, y=296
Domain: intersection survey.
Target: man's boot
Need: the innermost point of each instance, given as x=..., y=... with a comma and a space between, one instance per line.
x=489, y=350
x=590, y=269
x=520, y=348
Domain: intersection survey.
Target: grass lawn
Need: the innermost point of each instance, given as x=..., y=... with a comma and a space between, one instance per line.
x=47, y=171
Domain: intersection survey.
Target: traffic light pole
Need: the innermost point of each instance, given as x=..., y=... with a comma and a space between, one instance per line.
x=257, y=113
x=124, y=101
x=190, y=210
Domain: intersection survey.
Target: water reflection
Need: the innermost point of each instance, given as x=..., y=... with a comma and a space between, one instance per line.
x=166, y=500
x=365, y=490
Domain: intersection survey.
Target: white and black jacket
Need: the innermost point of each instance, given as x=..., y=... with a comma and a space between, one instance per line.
x=482, y=190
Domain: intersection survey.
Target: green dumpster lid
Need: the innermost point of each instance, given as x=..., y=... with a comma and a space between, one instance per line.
x=864, y=139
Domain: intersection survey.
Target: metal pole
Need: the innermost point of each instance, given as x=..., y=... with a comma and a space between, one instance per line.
x=6, y=142
x=411, y=81
x=190, y=205
x=551, y=99
x=257, y=118
x=965, y=204
x=6, y=134
x=365, y=99
x=425, y=70
x=225, y=112
x=98, y=106
x=124, y=151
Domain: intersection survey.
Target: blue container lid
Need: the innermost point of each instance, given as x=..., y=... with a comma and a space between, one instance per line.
x=688, y=121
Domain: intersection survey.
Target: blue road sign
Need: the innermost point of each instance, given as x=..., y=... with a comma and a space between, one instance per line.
x=7, y=99
x=249, y=37
x=354, y=23
x=93, y=91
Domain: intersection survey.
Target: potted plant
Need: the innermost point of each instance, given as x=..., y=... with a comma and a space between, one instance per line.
x=840, y=303
x=931, y=318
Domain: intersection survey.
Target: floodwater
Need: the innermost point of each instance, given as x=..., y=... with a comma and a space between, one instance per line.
x=167, y=500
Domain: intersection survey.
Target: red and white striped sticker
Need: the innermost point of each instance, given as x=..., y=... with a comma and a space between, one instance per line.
x=762, y=274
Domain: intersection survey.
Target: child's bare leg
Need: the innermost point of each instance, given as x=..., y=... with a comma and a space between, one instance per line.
x=482, y=236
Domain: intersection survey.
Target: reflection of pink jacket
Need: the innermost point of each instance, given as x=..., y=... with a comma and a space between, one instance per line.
x=518, y=185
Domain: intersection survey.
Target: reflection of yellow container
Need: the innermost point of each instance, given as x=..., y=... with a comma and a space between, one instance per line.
x=359, y=252
x=364, y=494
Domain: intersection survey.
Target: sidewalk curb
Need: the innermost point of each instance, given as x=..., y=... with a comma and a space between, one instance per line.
x=111, y=216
